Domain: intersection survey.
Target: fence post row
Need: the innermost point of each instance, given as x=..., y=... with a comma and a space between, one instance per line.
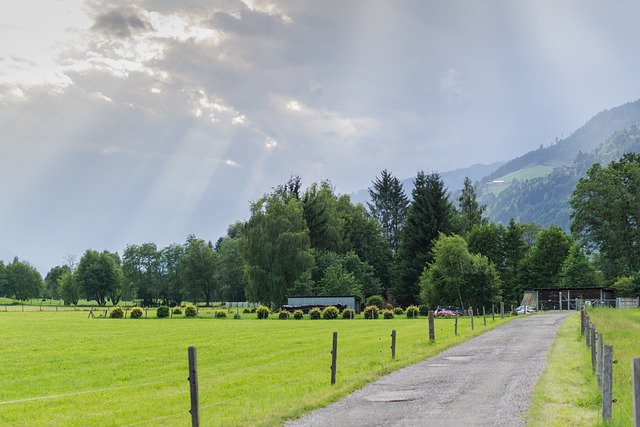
x=593, y=347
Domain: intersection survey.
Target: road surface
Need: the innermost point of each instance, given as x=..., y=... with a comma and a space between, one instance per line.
x=486, y=381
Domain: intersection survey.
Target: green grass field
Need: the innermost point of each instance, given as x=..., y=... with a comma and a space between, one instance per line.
x=521, y=175
x=63, y=369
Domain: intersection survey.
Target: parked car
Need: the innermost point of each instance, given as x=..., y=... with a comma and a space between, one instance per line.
x=525, y=309
x=447, y=311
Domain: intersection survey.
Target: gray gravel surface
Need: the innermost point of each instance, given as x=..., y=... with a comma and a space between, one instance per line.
x=486, y=381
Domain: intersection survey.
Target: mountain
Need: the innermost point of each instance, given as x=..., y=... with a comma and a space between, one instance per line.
x=514, y=190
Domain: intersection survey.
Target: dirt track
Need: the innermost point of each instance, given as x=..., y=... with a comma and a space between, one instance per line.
x=486, y=381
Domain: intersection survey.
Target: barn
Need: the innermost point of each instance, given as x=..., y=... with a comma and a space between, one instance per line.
x=570, y=298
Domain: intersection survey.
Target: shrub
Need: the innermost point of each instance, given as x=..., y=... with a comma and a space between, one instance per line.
x=263, y=312
x=190, y=311
x=398, y=311
x=246, y=310
x=412, y=312
x=423, y=310
x=371, y=312
x=330, y=312
x=221, y=315
x=348, y=313
x=315, y=313
x=387, y=314
x=136, y=313
x=162, y=311
x=237, y=315
x=177, y=310
x=298, y=314
x=284, y=314
x=116, y=313
x=376, y=300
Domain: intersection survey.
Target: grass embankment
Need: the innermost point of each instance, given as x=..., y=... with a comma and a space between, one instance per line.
x=60, y=368
x=567, y=393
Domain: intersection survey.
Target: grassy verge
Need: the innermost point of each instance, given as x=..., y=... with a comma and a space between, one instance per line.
x=61, y=368
x=620, y=328
x=567, y=393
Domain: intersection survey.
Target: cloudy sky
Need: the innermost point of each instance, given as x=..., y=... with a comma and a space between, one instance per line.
x=130, y=122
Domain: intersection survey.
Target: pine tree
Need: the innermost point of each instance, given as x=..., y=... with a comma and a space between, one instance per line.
x=389, y=206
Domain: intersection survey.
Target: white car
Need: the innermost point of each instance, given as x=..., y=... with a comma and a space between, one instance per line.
x=525, y=309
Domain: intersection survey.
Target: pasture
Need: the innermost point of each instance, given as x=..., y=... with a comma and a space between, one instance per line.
x=61, y=368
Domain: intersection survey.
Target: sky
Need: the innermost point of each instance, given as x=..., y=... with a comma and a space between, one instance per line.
x=146, y=121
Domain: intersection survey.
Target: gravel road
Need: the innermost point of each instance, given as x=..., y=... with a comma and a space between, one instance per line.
x=486, y=381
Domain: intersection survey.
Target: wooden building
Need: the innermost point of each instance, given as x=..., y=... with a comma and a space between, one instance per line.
x=567, y=298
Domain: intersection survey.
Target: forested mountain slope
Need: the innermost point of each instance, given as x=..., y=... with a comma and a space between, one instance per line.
x=545, y=200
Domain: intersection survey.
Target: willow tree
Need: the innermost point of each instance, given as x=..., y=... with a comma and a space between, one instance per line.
x=275, y=247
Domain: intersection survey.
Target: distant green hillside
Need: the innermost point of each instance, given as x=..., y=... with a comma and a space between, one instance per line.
x=496, y=186
x=544, y=198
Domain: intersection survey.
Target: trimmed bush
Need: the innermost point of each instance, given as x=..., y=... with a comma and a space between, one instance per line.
x=424, y=310
x=412, y=312
x=398, y=311
x=298, y=314
x=371, y=312
x=116, y=313
x=162, y=311
x=330, y=312
x=237, y=315
x=190, y=311
x=136, y=313
x=221, y=315
x=246, y=310
x=315, y=313
x=348, y=313
x=263, y=312
x=376, y=300
x=387, y=314
x=177, y=310
x=284, y=314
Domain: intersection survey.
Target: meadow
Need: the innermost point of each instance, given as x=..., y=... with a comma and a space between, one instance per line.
x=62, y=368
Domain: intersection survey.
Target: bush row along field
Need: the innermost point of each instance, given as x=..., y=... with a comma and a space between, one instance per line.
x=61, y=368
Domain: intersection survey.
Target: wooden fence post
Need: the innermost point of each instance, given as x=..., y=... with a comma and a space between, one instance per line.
x=334, y=358
x=600, y=360
x=393, y=344
x=471, y=314
x=193, y=386
x=593, y=348
x=607, y=380
x=493, y=312
x=635, y=377
x=455, y=328
x=582, y=315
x=587, y=335
x=502, y=309
x=432, y=330
x=484, y=316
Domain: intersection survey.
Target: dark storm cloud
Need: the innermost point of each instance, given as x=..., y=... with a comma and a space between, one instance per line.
x=121, y=23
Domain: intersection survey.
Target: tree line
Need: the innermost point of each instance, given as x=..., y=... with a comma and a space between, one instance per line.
x=421, y=248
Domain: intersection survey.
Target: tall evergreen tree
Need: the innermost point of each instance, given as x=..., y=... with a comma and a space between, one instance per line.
x=470, y=211
x=389, y=206
x=429, y=214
